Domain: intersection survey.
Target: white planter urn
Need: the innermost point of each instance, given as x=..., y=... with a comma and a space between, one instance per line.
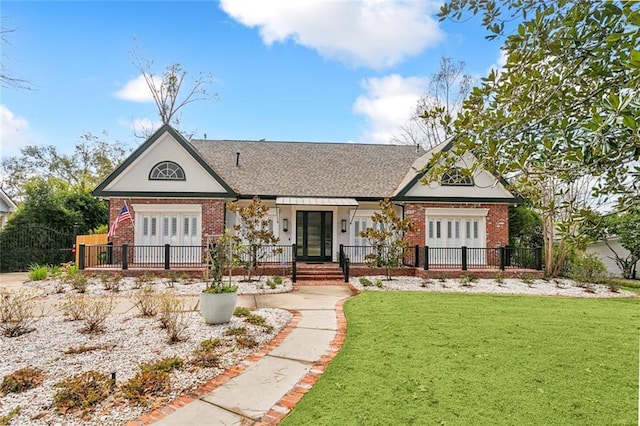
x=217, y=308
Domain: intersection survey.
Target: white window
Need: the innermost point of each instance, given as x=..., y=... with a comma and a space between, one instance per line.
x=160, y=224
x=453, y=229
x=166, y=170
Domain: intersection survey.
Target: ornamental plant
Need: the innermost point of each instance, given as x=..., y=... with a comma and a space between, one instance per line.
x=387, y=237
x=220, y=258
x=251, y=234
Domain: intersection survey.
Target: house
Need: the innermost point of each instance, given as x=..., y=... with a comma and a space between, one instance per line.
x=604, y=252
x=7, y=206
x=320, y=195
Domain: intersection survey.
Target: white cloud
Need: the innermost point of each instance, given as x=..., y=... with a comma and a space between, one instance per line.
x=387, y=105
x=14, y=132
x=141, y=126
x=137, y=90
x=374, y=33
x=498, y=67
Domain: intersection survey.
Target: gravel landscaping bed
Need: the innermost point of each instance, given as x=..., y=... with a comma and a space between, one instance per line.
x=537, y=287
x=56, y=288
x=128, y=341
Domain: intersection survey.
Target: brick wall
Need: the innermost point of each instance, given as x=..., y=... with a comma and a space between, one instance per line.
x=497, y=220
x=213, y=213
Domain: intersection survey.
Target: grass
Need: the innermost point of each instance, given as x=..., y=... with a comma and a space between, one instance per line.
x=454, y=359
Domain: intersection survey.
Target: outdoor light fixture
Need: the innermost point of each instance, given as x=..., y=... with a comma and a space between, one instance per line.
x=285, y=225
x=344, y=225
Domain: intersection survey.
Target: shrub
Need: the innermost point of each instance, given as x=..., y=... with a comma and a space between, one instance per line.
x=172, y=317
x=81, y=392
x=172, y=279
x=7, y=418
x=146, y=385
x=271, y=284
x=277, y=280
x=166, y=365
x=22, y=380
x=236, y=331
x=378, y=283
x=16, y=312
x=527, y=279
x=258, y=320
x=54, y=270
x=78, y=281
x=246, y=342
x=206, y=355
x=147, y=301
x=441, y=278
x=38, y=272
x=365, y=282
x=468, y=279
x=73, y=307
x=613, y=286
x=498, y=278
x=587, y=267
x=95, y=314
x=241, y=311
x=142, y=280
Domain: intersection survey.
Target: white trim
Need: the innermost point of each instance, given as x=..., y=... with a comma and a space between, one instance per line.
x=167, y=208
x=312, y=201
x=440, y=211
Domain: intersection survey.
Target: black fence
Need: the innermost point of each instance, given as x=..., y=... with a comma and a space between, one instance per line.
x=461, y=258
x=21, y=247
x=170, y=256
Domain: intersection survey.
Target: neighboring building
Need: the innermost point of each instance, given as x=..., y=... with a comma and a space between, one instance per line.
x=320, y=195
x=6, y=208
x=605, y=254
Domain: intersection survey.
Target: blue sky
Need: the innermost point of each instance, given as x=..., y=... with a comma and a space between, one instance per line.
x=335, y=71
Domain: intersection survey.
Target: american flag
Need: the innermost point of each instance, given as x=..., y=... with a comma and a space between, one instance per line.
x=122, y=216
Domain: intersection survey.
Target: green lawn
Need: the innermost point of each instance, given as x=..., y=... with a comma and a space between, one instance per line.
x=459, y=359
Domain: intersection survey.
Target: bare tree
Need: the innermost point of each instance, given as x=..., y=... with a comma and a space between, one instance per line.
x=432, y=120
x=6, y=80
x=166, y=88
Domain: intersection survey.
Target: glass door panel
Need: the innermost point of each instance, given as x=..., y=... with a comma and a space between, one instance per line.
x=314, y=232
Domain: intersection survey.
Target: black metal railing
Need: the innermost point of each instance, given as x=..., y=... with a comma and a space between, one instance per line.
x=171, y=256
x=460, y=258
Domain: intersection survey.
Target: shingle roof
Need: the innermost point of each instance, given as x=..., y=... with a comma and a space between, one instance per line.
x=309, y=168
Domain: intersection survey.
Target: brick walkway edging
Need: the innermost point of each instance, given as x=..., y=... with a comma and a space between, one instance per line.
x=283, y=407
x=220, y=379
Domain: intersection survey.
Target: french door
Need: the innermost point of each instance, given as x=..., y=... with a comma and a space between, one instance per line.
x=314, y=235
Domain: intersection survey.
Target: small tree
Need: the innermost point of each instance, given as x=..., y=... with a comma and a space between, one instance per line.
x=251, y=234
x=626, y=227
x=387, y=237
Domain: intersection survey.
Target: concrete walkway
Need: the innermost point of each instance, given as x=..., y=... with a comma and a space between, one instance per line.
x=249, y=396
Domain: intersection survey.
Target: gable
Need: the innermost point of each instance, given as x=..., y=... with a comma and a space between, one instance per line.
x=486, y=187
x=6, y=205
x=135, y=178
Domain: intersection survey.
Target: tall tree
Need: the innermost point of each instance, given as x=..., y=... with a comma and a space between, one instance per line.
x=91, y=160
x=432, y=120
x=564, y=107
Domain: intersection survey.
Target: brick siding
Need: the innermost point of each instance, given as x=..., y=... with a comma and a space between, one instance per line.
x=497, y=220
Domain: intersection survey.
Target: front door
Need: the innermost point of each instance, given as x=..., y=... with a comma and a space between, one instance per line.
x=314, y=232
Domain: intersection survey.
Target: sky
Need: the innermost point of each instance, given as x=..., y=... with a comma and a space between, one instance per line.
x=314, y=70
